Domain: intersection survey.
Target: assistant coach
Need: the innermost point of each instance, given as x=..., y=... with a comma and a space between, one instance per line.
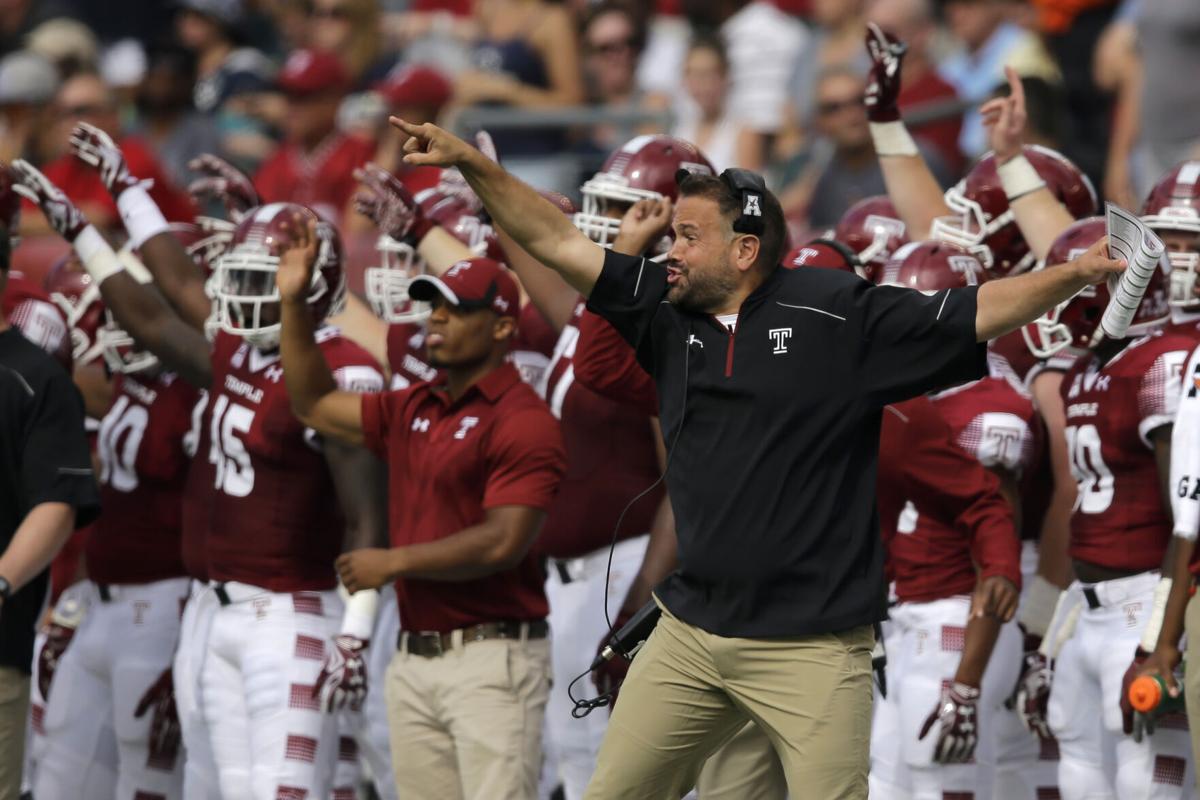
x=770, y=383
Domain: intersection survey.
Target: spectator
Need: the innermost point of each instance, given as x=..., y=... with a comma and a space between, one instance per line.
x=851, y=172
x=763, y=44
x=210, y=30
x=67, y=43
x=613, y=39
x=86, y=98
x=46, y=491
x=912, y=22
x=708, y=123
x=19, y=17
x=27, y=85
x=527, y=56
x=314, y=164
x=837, y=40
x=249, y=114
x=987, y=42
x=352, y=30
x=175, y=131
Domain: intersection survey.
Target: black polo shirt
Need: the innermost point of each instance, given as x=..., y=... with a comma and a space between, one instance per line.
x=772, y=476
x=44, y=458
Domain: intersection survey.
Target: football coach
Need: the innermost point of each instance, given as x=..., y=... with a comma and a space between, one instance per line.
x=771, y=383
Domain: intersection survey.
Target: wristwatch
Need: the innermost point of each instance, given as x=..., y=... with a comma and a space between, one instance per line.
x=5, y=588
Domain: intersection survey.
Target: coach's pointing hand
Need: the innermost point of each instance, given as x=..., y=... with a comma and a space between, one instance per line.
x=429, y=145
x=366, y=568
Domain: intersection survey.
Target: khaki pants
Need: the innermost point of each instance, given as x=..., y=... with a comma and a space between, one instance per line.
x=746, y=768
x=1191, y=677
x=688, y=692
x=467, y=725
x=14, y=711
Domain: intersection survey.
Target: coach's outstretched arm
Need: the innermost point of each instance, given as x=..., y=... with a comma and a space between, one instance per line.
x=1009, y=303
x=532, y=221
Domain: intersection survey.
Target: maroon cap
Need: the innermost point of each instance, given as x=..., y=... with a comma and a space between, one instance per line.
x=823, y=254
x=471, y=284
x=415, y=85
x=312, y=71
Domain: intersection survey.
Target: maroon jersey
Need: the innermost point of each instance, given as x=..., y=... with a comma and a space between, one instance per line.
x=610, y=460
x=606, y=364
x=1188, y=328
x=142, y=473
x=322, y=179
x=1010, y=355
x=925, y=478
x=29, y=309
x=532, y=346
x=1119, y=521
x=406, y=356
x=260, y=486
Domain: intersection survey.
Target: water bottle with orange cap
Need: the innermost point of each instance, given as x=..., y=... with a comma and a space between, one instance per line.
x=1151, y=699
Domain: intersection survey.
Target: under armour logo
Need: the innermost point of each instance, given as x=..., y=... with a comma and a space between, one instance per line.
x=752, y=206
x=421, y=425
x=780, y=336
x=274, y=373
x=465, y=424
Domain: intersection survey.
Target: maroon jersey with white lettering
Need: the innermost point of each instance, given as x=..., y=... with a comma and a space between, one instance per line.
x=143, y=469
x=944, y=523
x=610, y=460
x=406, y=356
x=261, y=488
x=29, y=309
x=1119, y=520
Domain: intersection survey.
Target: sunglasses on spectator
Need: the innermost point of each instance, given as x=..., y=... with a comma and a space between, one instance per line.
x=336, y=12
x=610, y=48
x=827, y=107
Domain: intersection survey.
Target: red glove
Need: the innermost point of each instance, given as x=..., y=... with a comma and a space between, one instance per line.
x=164, y=722
x=883, y=81
x=609, y=676
x=1031, y=697
x=58, y=636
x=958, y=712
x=389, y=204
x=60, y=212
x=225, y=182
x=96, y=148
x=1135, y=669
x=343, y=679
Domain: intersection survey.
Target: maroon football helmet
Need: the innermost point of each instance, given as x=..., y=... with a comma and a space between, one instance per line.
x=74, y=291
x=244, y=281
x=1075, y=323
x=984, y=224
x=10, y=204
x=1173, y=205
x=29, y=309
x=932, y=266
x=824, y=254
x=643, y=168
x=872, y=228
x=455, y=214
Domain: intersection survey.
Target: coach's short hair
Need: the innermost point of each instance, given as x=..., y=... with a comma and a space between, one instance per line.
x=773, y=239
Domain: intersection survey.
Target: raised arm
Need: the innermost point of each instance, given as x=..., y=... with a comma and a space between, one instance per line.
x=140, y=310
x=910, y=182
x=316, y=399
x=533, y=222
x=1005, y=305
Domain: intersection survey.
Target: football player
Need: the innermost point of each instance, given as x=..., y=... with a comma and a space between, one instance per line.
x=873, y=230
x=268, y=655
x=1120, y=398
x=1172, y=210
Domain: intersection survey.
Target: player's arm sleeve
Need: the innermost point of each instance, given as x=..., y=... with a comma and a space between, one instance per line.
x=525, y=460
x=1158, y=393
x=1185, y=453
x=605, y=363
x=56, y=465
x=909, y=343
x=628, y=294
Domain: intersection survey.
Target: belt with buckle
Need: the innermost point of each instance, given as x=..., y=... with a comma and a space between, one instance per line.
x=432, y=644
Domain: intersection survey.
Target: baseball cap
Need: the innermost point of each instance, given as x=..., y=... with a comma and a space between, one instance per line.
x=471, y=284
x=415, y=85
x=26, y=77
x=312, y=71
x=227, y=12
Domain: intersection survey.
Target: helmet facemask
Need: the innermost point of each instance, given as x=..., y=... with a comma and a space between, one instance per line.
x=387, y=284
x=121, y=353
x=599, y=194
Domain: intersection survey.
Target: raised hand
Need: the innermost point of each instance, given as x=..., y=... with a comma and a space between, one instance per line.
x=1004, y=118
x=429, y=145
x=159, y=699
x=294, y=276
x=63, y=215
x=883, y=81
x=96, y=148
x=643, y=226
x=222, y=181
x=388, y=203
x=958, y=713
x=343, y=679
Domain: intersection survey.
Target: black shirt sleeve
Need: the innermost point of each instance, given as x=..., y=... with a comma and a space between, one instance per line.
x=56, y=466
x=628, y=294
x=912, y=343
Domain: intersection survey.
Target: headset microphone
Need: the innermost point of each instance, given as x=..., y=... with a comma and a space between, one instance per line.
x=632, y=635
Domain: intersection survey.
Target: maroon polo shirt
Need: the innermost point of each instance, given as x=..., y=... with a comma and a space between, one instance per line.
x=448, y=462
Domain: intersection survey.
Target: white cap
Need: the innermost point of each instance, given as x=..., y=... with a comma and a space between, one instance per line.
x=26, y=77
